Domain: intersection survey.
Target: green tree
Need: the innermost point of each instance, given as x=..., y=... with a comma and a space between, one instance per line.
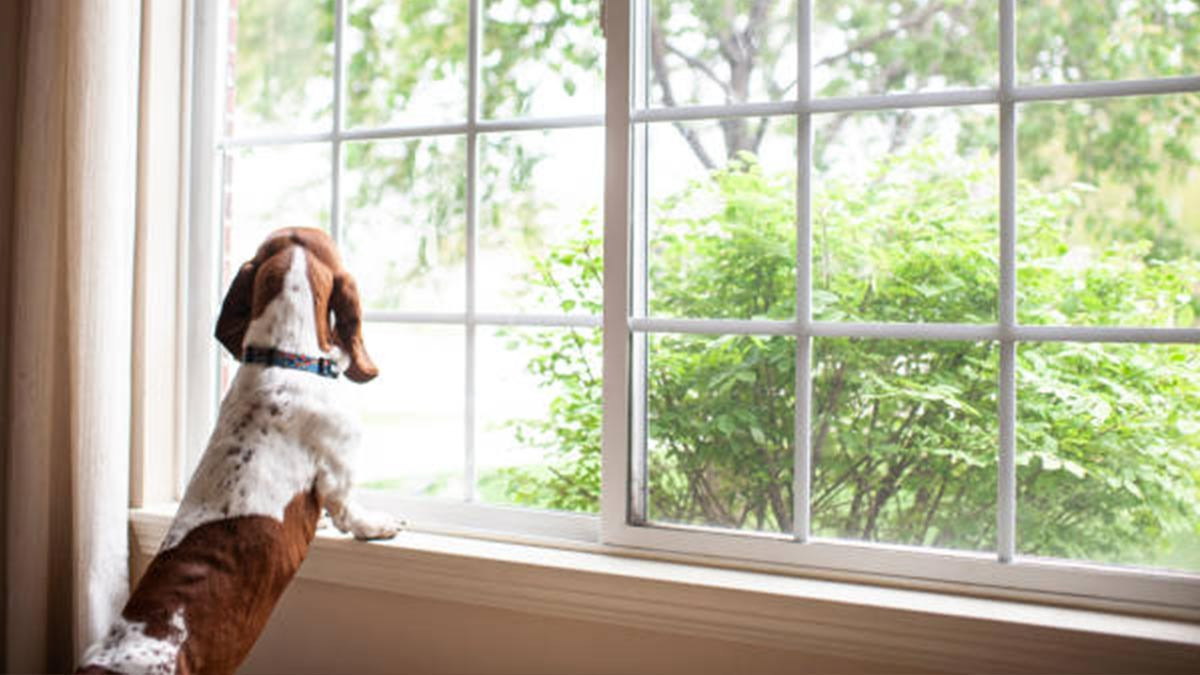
x=904, y=432
x=737, y=51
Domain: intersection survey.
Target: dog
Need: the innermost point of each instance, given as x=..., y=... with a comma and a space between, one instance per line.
x=281, y=453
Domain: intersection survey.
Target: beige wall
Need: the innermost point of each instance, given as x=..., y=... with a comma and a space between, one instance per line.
x=326, y=628
x=323, y=628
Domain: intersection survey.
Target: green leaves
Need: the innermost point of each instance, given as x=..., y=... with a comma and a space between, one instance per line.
x=904, y=433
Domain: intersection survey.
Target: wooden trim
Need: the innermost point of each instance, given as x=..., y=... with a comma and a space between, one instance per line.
x=155, y=358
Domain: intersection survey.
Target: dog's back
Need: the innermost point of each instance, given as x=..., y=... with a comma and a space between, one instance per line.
x=278, y=456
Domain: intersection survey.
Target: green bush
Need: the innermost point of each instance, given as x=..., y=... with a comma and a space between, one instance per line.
x=904, y=432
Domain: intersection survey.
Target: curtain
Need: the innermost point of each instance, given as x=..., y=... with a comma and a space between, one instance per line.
x=69, y=301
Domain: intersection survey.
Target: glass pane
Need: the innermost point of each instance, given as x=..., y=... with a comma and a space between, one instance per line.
x=282, y=66
x=871, y=47
x=540, y=245
x=270, y=187
x=1062, y=41
x=721, y=230
x=413, y=413
x=1108, y=453
x=538, y=430
x=720, y=51
x=404, y=222
x=904, y=442
x=406, y=62
x=542, y=58
x=905, y=216
x=1108, y=217
x=720, y=444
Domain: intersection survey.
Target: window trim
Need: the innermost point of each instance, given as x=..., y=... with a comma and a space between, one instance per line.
x=621, y=527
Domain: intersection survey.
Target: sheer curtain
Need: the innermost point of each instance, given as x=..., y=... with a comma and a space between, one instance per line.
x=69, y=235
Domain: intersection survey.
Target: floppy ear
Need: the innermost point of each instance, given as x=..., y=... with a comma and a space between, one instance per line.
x=347, y=330
x=235, y=311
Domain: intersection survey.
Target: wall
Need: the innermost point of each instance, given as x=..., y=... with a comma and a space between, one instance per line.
x=323, y=628
x=326, y=628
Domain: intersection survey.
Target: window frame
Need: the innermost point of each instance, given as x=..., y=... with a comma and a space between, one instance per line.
x=621, y=526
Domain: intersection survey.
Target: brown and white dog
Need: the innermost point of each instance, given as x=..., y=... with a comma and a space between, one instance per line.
x=281, y=452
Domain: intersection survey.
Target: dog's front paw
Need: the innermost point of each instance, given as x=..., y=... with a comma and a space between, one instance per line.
x=375, y=525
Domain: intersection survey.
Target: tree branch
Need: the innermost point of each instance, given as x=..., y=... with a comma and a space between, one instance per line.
x=663, y=77
x=701, y=66
x=871, y=40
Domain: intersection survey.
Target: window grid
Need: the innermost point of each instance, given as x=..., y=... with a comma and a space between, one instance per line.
x=1006, y=332
x=470, y=130
x=802, y=461
x=626, y=323
x=473, y=42
x=1006, y=466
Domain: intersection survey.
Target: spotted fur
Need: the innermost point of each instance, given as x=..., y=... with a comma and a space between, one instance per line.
x=282, y=451
x=129, y=649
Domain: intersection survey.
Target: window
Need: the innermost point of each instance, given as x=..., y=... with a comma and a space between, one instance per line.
x=904, y=290
x=449, y=147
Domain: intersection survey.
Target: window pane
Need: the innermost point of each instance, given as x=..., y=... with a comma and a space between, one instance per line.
x=1108, y=450
x=904, y=216
x=538, y=432
x=720, y=439
x=1059, y=41
x=904, y=442
x=406, y=62
x=270, y=187
x=413, y=413
x=404, y=224
x=540, y=246
x=282, y=67
x=1108, y=224
x=871, y=47
x=722, y=242
x=542, y=58
x=720, y=51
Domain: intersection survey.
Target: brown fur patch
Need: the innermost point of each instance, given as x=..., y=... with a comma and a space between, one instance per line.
x=334, y=291
x=226, y=576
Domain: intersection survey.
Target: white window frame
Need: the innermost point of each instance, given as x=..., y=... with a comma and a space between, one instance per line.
x=205, y=247
x=622, y=526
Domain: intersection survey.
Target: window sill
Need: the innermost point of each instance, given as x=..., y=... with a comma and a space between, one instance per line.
x=916, y=629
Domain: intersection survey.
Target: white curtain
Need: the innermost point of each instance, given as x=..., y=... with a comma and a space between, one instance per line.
x=70, y=299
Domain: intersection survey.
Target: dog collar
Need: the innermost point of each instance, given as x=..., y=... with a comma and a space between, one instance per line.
x=269, y=356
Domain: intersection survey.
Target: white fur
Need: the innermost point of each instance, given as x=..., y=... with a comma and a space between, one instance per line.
x=127, y=648
x=279, y=432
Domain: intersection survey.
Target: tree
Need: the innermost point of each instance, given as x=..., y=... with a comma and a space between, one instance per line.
x=904, y=432
x=736, y=51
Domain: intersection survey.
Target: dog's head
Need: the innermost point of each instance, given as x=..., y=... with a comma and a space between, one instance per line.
x=333, y=290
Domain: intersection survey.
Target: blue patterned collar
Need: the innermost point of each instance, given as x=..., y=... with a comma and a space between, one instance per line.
x=269, y=356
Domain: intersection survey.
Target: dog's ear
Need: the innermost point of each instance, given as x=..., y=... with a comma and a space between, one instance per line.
x=235, y=311
x=347, y=328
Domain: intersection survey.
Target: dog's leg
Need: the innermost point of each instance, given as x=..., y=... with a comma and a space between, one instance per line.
x=363, y=523
x=335, y=483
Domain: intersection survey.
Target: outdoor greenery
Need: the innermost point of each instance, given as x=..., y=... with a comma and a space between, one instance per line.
x=904, y=432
